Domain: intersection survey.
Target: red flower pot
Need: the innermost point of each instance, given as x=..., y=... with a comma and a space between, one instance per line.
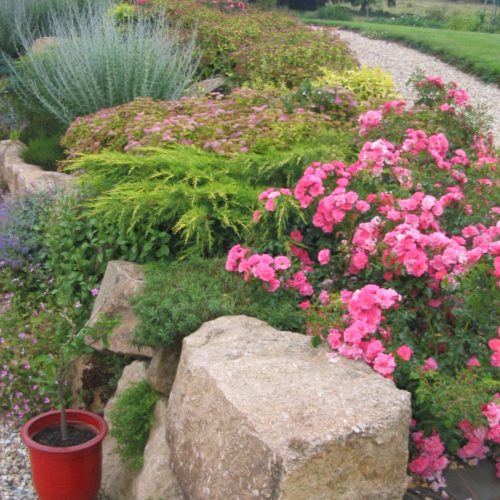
x=71, y=472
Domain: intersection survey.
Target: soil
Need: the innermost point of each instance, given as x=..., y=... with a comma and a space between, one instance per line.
x=77, y=434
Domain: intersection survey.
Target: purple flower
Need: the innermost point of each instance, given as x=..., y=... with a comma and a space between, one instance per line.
x=94, y=292
x=78, y=305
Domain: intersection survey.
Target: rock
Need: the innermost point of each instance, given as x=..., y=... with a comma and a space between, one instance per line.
x=204, y=87
x=258, y=413
x=116, y=478
x=162, y=369
x=23, y=179
x=156, y=479
x=43, y=43
x=122, y=280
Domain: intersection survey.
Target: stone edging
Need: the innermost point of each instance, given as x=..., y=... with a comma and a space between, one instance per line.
x=23, y=179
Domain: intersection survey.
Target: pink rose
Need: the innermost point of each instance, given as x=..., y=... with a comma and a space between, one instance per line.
x=405, y=352
x=324, y=256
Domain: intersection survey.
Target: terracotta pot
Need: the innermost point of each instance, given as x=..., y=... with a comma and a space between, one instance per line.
x=71, y=472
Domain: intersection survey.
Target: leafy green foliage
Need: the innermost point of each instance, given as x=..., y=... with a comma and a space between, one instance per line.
x=442, y=401
x=97, y=64
x=44, y=152
x=258, y=45
x=178, y=298
x=131, y=420
x=333, y=11
x=79, y=245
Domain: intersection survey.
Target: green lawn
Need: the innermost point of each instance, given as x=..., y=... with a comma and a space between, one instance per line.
x=477, y=53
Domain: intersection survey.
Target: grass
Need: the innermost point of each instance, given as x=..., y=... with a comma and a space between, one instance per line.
x=476, y=53
x=422, y=7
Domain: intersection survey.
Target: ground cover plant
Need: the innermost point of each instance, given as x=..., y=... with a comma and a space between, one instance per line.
x=396, y=259
x=98, y=63
x=476, y=53
x=244, y=121
x=173, y=305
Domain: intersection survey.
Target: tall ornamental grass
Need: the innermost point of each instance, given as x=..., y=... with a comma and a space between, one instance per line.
x=97, y=64
x=28, y=16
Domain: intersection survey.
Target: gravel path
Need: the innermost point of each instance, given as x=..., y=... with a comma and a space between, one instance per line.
x=15, y=474
x=401, y=62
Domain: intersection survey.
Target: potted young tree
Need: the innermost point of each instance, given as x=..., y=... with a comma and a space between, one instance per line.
x=65, y=445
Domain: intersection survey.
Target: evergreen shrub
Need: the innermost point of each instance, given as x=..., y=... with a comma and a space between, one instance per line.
x=179, y=297
x=131, y=420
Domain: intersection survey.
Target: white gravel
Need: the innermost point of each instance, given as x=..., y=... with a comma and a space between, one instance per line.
x=402, y=62
x=15, y=474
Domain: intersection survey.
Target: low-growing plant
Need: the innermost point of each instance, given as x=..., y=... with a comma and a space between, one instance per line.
x=97, y=64
x=21, y=229
x=45, y=152
x=131, y=419
x=244, y=121
x=78, y=246
x=174, y=305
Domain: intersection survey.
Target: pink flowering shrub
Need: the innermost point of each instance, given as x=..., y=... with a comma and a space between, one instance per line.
x=244, y=121
x=395, y=257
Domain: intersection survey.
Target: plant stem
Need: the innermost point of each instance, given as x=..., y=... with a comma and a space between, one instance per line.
x=60, y=397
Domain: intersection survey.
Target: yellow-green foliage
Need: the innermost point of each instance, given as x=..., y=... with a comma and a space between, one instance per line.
x=370, y=85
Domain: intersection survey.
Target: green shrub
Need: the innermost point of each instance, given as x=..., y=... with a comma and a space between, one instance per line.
x=131, y=420
x=463, y=22
x=78, y=247
x=334, y=11
x=443, y=400
x=178, y=298
x=370, y=86
x=244, y=121
x=258, y=45
x=200, y=199
x=44, y=152
x=98, y=64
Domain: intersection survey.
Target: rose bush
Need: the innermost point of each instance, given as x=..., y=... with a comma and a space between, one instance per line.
x=396, y=259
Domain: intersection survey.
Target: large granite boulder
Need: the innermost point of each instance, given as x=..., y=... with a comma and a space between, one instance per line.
x=122, y=280
x=23, y=179
x=259, y=413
